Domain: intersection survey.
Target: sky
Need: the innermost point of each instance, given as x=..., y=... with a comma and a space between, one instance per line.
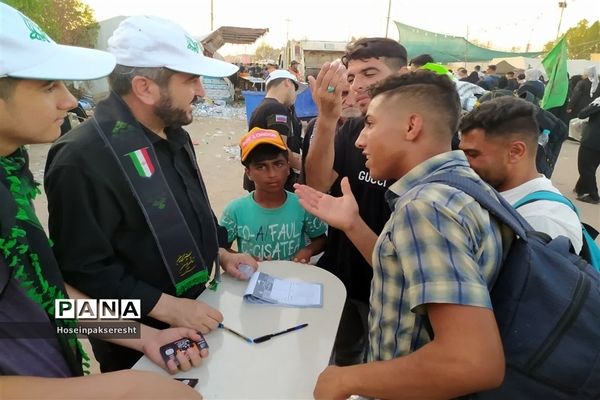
x=502, y=25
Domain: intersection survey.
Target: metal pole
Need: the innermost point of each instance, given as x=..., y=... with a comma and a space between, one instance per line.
x=212, y=15
x=466, y=47
x=388, y=18
x=562, y=5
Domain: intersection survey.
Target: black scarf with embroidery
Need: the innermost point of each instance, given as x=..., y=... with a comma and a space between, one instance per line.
x=27, y=252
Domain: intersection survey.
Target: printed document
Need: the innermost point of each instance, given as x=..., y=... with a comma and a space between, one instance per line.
x=266, y=289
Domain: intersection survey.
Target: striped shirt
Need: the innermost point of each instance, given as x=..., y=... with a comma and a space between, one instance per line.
x=439, y=246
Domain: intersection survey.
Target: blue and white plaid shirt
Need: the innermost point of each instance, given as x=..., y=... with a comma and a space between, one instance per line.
x=439, y=246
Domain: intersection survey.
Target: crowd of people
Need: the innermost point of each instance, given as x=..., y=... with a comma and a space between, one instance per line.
x=260, y=71
x=130, y=216
x=530, y=85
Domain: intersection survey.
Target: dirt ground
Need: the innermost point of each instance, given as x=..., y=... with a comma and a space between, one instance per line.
x=218, y=155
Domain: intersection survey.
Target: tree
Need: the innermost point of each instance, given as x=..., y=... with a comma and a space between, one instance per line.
x=66, y=21
x=583, y=40
x=266, y=52
x=476, y=42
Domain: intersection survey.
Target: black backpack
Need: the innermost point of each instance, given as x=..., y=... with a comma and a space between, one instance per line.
x=546, y=302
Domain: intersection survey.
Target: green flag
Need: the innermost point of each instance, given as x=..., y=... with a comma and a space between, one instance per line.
x=555, y=64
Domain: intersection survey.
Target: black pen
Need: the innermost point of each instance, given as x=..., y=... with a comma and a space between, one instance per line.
x=246, y=338
x=267, y=337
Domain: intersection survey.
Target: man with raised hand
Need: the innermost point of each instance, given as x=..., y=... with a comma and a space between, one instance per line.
x=333, y=156
x=432, y=331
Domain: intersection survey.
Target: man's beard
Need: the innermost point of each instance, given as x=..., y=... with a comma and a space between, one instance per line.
x=171, y=116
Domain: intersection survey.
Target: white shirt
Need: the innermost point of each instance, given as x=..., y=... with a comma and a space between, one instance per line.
x=466, y=93
x=550, y=217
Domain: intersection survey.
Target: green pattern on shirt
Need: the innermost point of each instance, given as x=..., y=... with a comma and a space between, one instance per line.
x=277, y=233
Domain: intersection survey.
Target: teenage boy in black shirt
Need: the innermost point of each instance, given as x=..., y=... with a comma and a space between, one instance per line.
x=331, y=157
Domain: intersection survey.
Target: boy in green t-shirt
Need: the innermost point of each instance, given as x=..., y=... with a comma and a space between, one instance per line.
x=269, y=223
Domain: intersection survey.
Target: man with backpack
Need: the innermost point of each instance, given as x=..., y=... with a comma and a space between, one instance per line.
x=441, y=263
x=547, y=154
x=500, y=140
x=432, y=330
x=332, y=156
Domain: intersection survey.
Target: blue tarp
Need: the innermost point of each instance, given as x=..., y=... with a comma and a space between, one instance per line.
x=305, y=106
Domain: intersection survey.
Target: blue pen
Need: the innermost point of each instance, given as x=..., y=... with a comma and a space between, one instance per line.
x=246, y=338
x=267, y=337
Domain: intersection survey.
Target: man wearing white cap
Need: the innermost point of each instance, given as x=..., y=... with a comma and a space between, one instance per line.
x=36, y=347
x=276, y=112
x=129, y=212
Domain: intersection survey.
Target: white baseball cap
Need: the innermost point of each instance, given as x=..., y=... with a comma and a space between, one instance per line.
x=154, y=42
x=26, y=51
x=285, y=74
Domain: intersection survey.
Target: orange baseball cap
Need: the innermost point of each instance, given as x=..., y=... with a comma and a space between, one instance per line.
x=258, y=136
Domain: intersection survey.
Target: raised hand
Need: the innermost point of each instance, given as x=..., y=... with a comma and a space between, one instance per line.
x=327, y=89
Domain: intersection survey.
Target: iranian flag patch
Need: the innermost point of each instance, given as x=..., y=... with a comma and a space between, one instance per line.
x=141, y=161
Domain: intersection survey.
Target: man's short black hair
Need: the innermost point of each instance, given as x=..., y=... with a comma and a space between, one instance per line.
x=392, y=53
x=437, y=94
x=510, y=73
x=492, y=67
x=264, y=152
x=121, y=78
x=421, y=60
x=504, y=116
x=477, y=67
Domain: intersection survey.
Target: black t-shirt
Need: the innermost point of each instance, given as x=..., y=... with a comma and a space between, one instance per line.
x=306, y=147
x=271, y=114
x=341, y=257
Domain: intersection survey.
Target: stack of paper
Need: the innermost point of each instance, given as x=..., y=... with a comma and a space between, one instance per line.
x=265, y=289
